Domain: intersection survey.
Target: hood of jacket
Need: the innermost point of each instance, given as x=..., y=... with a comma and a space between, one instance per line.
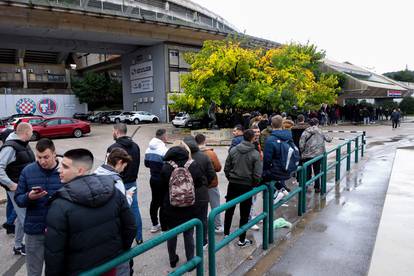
x=125, y=141
x=302, y=125
x=282, y=134
x=191, y=143
x=106, y=170
x=14, y=136
x=176, y=154
x=89, y=190
x=245, y=147
x=157, y=146
x=313, y=130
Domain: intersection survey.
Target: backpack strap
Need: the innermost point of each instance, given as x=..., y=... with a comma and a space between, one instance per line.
x=173, y=164
x=188, y=163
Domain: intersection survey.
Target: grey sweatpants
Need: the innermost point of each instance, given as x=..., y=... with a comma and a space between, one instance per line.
x=21, y=213
x=35, y=247
x=214, y=194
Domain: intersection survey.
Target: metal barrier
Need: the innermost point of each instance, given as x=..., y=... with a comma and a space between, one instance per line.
x=266, y=215
x=273, y=206
x=197, y=261
x=213, y=247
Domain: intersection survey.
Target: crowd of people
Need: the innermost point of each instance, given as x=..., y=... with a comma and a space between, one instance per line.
x=72, y=218
x=327, y=115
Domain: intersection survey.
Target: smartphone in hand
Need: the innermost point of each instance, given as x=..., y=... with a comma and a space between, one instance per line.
x=37, y=189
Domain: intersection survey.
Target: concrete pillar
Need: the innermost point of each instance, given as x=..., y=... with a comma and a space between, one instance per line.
x=24, y=75
x=67, y=73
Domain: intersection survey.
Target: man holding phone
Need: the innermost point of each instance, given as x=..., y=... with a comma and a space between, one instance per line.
x=37, y=183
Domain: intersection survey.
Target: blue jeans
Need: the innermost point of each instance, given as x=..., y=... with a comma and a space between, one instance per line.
x=135, y=209
x=10, y=213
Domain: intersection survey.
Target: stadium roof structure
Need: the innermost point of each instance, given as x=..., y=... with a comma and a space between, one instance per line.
x=362, y=83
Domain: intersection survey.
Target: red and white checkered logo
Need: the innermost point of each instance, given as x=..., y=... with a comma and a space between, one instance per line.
x=25, y=106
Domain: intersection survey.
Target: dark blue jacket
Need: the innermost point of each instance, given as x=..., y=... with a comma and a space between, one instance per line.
x=272, y=165
x=235, y=141
x=36, y=210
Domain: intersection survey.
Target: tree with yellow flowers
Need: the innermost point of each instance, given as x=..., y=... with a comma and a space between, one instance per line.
x=238, y=78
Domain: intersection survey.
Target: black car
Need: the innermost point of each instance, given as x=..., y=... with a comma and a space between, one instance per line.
x=198, y=123
x=81, y=116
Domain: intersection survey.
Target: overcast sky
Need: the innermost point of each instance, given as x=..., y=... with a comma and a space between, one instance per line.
x=377, y=35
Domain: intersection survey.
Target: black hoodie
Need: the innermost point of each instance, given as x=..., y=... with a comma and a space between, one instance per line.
x=89, y=222
x=130, y=173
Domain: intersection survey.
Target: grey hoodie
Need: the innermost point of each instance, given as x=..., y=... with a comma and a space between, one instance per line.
x=243, y=164
x=312, y=142
x=119, y=184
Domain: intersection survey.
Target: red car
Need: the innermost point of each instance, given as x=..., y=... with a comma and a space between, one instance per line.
x=60, y=127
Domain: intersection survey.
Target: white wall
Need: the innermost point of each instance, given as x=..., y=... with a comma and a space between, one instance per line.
x=66, y=104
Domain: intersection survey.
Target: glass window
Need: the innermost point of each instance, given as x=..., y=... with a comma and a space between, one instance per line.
x=52, y=122
x=35, y=121
x=66, y=122
x=173, y=56
x=174, y=81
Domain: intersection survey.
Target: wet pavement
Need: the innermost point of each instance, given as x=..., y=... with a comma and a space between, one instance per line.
x=338, y=236
x=231, y=259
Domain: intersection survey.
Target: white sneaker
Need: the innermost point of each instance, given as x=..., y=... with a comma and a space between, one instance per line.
x=283, y=190
x=246, y=243
x=278, y=197
x=255, y=227
x=219, y=229
x=155, y=228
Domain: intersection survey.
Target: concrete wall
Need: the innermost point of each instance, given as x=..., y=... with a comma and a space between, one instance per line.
x=66, y=105
x=142, y=100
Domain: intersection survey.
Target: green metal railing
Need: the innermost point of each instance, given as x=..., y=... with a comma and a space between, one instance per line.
x=273, y=206
x=213, y=247
x=197, y=261
x=267, y=215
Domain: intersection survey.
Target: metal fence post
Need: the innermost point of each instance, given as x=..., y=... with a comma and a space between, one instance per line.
x=356, y=149
x=338, y=164
x=266, y=222
x=211, y=246
x=363, y=143
x=199, y=248
x=348, y=155
x=304, y=187
x=271, y=189
x=325, y=173
x=300, y=172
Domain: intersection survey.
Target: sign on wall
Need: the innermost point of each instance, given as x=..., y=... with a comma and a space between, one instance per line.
x=25, y=106
x=47, y=106
x=394, y=93
x=141, y=76
x=142, y=85
x=141, y=70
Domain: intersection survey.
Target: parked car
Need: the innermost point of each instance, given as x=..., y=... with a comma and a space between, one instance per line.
x=141, y=116
x=60, y=127
x=81, y=116
x=181, y=119
x=18, y=115
x=105, y=118
x=33, y=120
x=198, y=122
x=120, y=118
x=99, y=116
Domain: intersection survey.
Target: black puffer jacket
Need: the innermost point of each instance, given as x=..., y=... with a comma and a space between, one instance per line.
x=130, y=173
x=173, y=216
x=89, y=222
